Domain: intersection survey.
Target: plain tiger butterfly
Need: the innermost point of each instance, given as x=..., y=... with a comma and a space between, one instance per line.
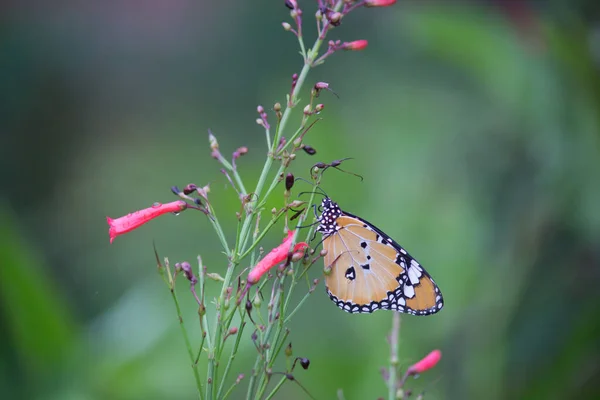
x=369, y=270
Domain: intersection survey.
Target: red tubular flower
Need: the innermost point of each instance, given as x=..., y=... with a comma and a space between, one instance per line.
x=136, y=219
x=357, y=45
x=428, y=362
x=277, y=255
x=379, y=3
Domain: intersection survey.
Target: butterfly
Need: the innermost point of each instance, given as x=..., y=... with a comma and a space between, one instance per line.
x=369, y=271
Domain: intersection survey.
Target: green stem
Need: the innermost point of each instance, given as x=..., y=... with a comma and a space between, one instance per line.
x=276, y=388
x=236, y=176
x=217, y=227
x=262, y=234
x=392, y=370
x=282, y=124
x=234, y=351
x=187, y=343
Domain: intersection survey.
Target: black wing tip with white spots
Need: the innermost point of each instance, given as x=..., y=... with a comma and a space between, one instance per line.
x=392, y=305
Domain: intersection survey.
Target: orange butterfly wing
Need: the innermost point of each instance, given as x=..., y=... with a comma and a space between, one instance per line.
x=369, y=271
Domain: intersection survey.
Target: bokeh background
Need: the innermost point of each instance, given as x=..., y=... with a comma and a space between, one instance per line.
x=476, y=128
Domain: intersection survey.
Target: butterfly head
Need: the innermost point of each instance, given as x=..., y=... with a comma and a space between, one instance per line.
x=330, y=211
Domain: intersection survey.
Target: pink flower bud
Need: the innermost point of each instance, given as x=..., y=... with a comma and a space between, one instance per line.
x=357, y=45
x=428, y=362
x=134, y=220
x=379, y=3
x=277, y=255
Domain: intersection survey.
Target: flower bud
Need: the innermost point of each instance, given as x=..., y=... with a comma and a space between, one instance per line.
x=335, y=18
x=289, y=181
x=428, y=362
x=296, y=203
x=379, y=3
x=189, y=188
x=215, y=277
x=257, y=301
x=305, y=362
x=286, y=26
x=214, y=145
x=309, y=150
x=356, y=45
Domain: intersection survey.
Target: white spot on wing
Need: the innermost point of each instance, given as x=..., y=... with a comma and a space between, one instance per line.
x=409, y=291
x=413, y=275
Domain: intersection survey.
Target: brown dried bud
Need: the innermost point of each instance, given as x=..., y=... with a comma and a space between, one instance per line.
x=288, y=350
x=289, y=181
x=240, y=151
x=305, y=362
x=215, y=277
x=309, y=150
x=214, y=145
x=297, y=256
x=189, y=188
x=277, y=107
x=291, y=4
x=335, y=18
x=296, y=203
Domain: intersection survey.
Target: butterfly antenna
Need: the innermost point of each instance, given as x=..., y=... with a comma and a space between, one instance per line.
x=321, y=192
x=351, y=173
x=314, y=206
x=307, y=226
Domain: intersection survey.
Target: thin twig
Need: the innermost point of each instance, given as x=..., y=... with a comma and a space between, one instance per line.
x=392, y=381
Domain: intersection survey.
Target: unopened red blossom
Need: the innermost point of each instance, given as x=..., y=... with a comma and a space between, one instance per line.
x=275, y=256
x=136, y=219
x=379, y=3
x=356, y=45
x=428, y=362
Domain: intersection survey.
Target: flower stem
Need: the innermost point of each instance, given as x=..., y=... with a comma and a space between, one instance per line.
x=187, y=343
x=276, y=388
x=392, y=382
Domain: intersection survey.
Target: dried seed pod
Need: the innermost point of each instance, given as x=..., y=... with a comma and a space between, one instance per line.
x=289, y=181
x=309, y=150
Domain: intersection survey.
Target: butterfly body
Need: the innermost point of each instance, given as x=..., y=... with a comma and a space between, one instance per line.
x=369, y=270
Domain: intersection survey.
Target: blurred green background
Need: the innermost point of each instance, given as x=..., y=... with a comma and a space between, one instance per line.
x=474, y=124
